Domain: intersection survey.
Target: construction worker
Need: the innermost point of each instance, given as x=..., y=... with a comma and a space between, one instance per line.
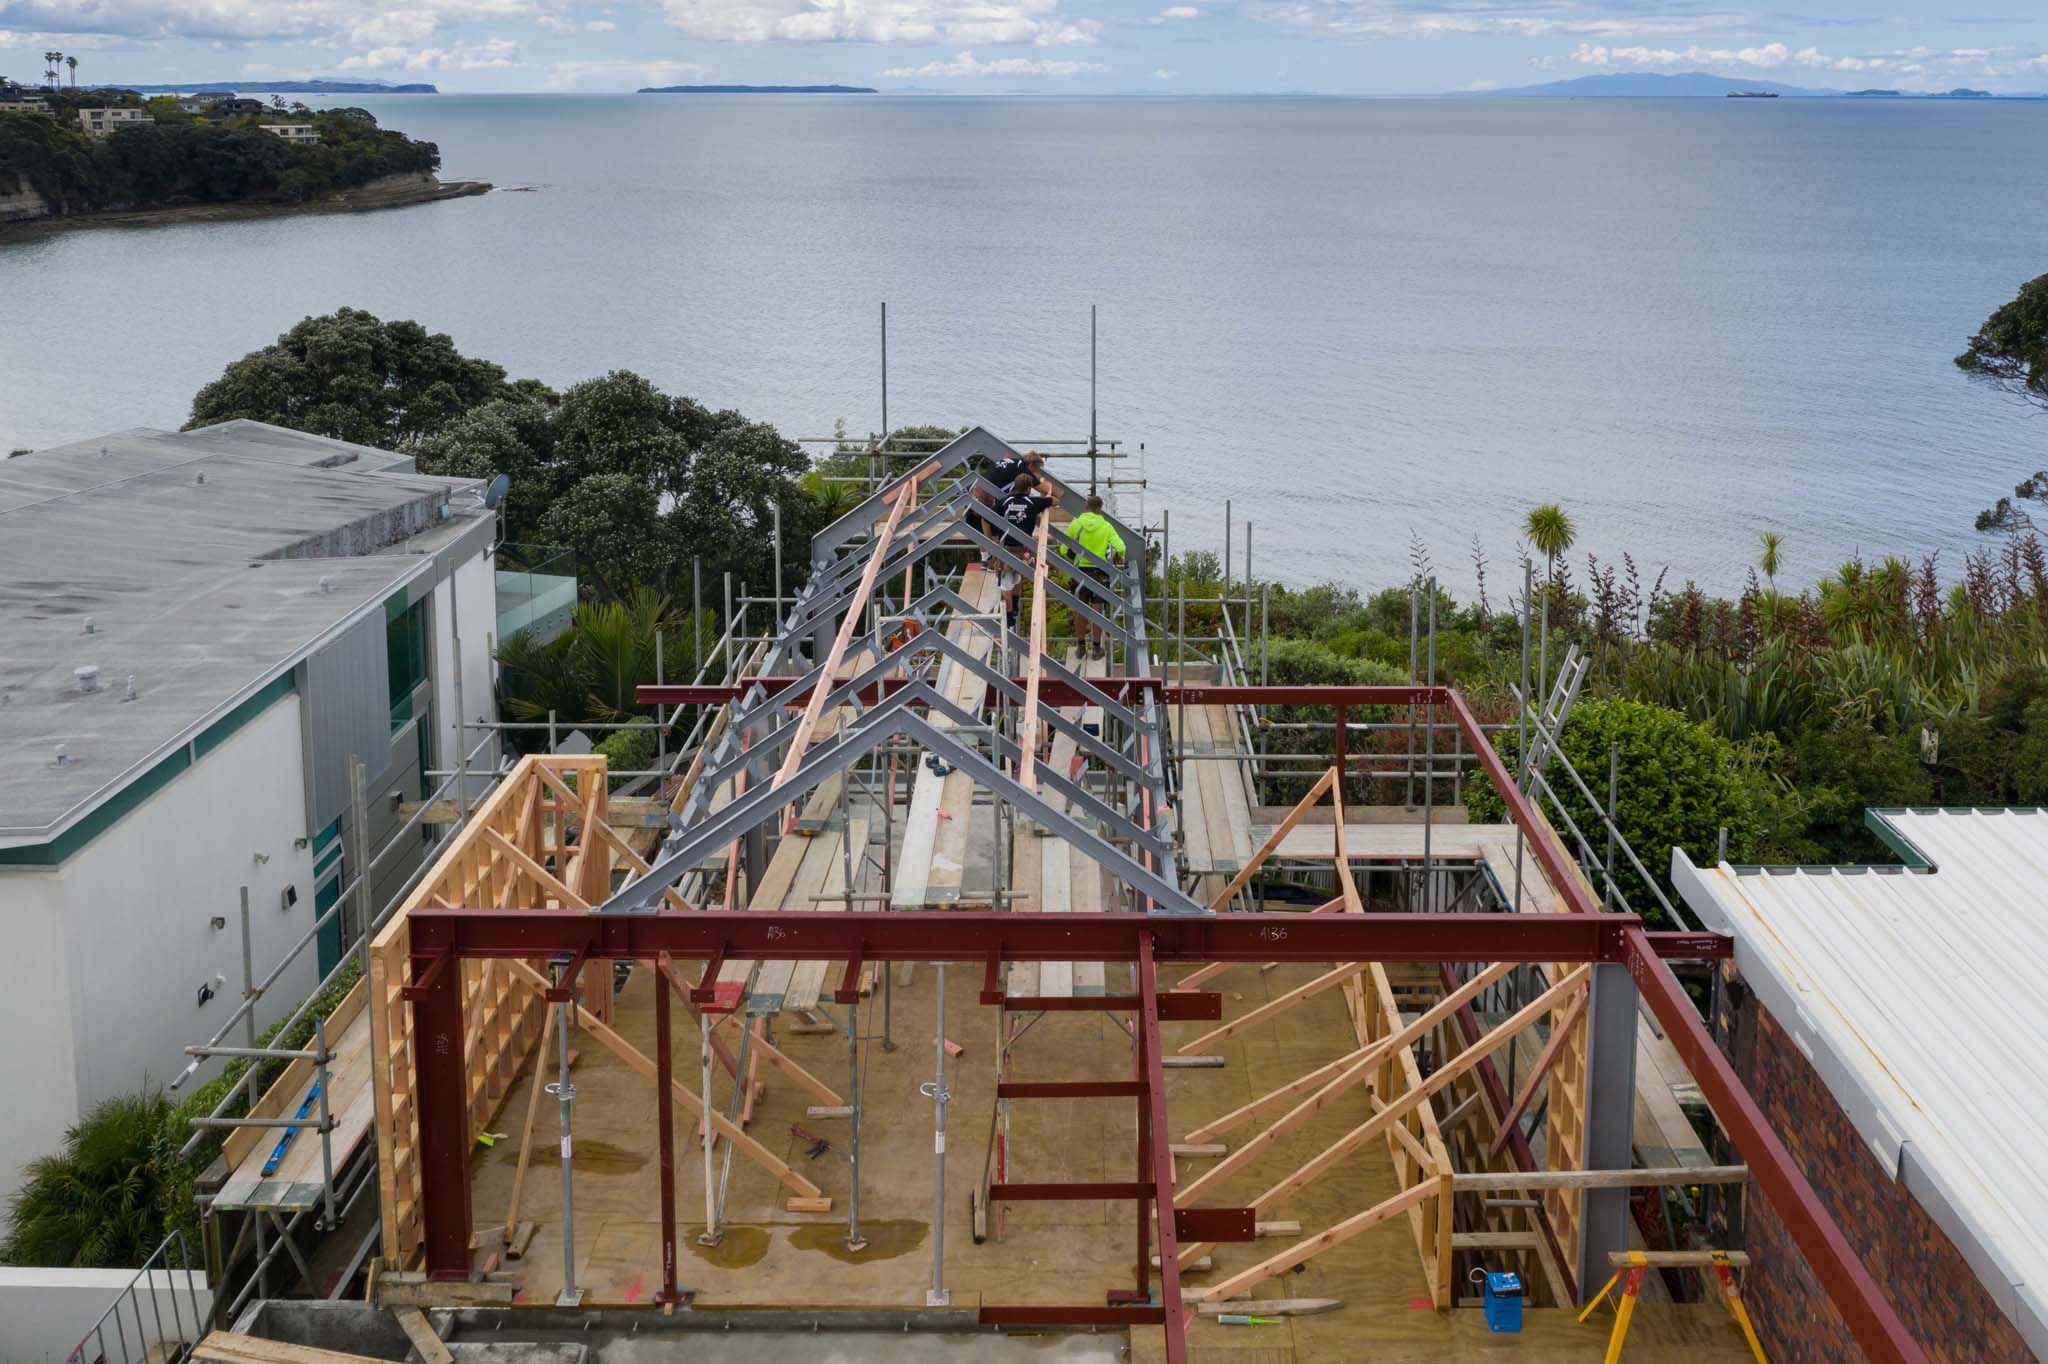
x=1021, y=507
x=1094, y=533
x=1004, y=475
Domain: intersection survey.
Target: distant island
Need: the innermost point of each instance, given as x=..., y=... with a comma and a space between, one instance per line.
x=1705, y=84
x=314, y=86
x=756, y=90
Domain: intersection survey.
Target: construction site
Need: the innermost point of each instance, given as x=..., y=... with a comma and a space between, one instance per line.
x=955, y=987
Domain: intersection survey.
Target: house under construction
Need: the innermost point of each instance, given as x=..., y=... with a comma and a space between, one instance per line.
x=964, y=983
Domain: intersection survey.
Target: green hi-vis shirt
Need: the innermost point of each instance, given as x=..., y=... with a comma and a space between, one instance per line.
x=1095, y=534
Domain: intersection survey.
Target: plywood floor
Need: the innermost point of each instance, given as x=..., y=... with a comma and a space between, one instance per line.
x=1054, y=1253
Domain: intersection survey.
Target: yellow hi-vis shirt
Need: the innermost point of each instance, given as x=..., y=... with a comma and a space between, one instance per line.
x=1096, y=535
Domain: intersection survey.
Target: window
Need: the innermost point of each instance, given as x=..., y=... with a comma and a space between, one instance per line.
x=405, y=650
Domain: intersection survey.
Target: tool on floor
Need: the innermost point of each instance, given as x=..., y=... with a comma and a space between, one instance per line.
x=285, y=1141
x=1630, y=1266
x=1501, y=1294
x=939, y=766
x=1239, y=1319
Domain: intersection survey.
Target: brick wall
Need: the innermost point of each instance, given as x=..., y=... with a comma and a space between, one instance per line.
x=1930, y=1285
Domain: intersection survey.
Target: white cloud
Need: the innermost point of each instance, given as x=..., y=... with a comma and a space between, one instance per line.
x=976, y=22
x=1163, y=74
x=494, y=54
x=1506, y=18
x=599, y=26
x=350, y=23
x=621, y=72
x=1912, y=61
x=965, y=64
x=1180, y=12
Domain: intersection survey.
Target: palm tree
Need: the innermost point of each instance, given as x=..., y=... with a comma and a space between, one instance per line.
x=72, y=62
x=1550, y=530
x=50, y=60
x=1772, y=558
x=98, y=1203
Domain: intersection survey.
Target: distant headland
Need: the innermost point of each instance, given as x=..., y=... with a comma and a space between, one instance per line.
x=1700, y=84
x=756, y=90
x=314, y=86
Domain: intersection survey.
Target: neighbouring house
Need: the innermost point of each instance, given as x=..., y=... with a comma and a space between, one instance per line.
x=106, y=122
x=16, y=99
x=198, y=631
x=298, y=134
x=1890, y=1023
x=200, y=101
x=234, y=107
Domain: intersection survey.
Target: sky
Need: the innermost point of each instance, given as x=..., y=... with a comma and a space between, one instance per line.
x=1080, y=46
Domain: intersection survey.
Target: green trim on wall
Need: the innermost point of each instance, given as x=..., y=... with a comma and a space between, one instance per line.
x=109, y=811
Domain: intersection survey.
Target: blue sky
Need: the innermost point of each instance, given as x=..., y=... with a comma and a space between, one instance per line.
x=1082, y=46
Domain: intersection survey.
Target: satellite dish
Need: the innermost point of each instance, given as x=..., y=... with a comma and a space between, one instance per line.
x=495, y=493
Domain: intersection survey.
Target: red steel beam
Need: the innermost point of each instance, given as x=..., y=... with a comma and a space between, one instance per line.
x=1849, y=1286
x=841, y=935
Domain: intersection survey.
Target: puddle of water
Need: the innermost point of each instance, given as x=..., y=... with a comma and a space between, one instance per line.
x=738, y=1248
x=886, y=1239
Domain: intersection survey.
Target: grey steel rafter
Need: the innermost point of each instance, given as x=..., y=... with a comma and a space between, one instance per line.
x=687, y=848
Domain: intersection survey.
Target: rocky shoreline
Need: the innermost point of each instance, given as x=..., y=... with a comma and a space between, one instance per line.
x=391, y=192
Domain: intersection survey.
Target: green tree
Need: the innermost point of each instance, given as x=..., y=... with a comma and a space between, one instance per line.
x=98, y=1203
x=1680, y=785
x=2010, y=353
x=1550, y=530
x=1771, y=557
x=354, y=377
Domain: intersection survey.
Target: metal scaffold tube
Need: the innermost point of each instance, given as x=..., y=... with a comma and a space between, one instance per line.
x=936, y=1296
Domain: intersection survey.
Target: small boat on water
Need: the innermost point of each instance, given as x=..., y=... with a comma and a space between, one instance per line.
x=1752, y=94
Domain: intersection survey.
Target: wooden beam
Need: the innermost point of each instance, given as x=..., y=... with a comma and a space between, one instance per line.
x=1275, y=1006
x=542, y=877
x=815, y=707
x=809, y=1083
x=633, y=859
x=1273, y=1307
x=414, y=1323
x=540, y=1053
x=638, y=1062
x=1373, y=1051
x=1560, y=1034
x=1509, y=1181
x=1273, y=841
x=1034, y=668
x=230, y=1348
x=1677, y=1259
x=1320, y=1242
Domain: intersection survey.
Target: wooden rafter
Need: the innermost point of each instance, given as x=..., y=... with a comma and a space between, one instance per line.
x=1034, y=668
x=1251, y=867
x=1321, y=1241
x=1275, y=1007
x=1337, y=1077
x=1560, y=1035
x=815, y=707
x=1414, y=1097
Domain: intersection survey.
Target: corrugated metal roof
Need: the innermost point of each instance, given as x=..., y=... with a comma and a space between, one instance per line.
x=1919, y=997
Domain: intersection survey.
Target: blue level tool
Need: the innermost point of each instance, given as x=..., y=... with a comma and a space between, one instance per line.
x=277, y=1152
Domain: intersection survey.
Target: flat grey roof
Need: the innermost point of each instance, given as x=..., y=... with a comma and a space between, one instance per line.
x=198, y=556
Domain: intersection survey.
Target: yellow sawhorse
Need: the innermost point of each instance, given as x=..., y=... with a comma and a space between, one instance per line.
x=1631, y=1265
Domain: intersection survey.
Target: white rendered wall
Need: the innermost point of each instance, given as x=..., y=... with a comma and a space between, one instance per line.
x=473, y=588
x=44, y=1312
x=133, y=908
x=36, y=1066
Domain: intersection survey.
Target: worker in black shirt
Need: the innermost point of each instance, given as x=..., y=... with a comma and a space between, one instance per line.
x=1021, y=507
x=1004, y=476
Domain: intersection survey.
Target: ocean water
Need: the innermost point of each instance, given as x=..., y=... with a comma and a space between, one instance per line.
x=1367, y=323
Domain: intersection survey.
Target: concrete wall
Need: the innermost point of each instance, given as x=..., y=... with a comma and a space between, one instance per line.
x=38, y=1069
x=45, y=1312
x=134, y=910
x=1932, y=1287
